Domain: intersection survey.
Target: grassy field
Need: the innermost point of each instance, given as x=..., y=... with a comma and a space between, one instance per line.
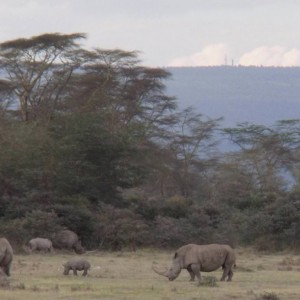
x=128, y=275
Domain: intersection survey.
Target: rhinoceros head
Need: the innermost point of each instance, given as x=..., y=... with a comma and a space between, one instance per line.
x=173, y=272
x=78, y=248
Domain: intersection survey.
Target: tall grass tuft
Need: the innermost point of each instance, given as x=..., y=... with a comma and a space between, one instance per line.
x=267, y=296
x=209, y=281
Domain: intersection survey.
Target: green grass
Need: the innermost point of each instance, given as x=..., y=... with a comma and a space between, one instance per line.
x=128, y=275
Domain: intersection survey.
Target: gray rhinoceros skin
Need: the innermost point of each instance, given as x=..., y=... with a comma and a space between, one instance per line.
x=206, y=258
x=76, y=264
x=40, y=244
x=67, y=239
x=6, y=255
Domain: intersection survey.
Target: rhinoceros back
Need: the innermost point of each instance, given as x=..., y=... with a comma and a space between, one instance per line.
x=65, y=239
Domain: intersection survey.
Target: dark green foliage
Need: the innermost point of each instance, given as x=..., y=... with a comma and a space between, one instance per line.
x=176, y=207
x=286, y=223
x=147, y=209
x=170, y=232
x=13, y=207
x=119, y=228
x=256, y=227
x=93, y=161
x=33, y=224
x=14, y=230
x=41, y=224
x=77, y=217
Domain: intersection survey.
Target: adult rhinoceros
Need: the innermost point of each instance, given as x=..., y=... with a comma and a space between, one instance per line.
x=40, y=244
x=67, y=239
x=205, y=258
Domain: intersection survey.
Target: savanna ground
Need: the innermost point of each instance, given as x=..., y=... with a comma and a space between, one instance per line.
x=128, y=275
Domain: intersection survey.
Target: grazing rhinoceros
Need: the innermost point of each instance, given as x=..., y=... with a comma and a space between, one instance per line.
x=6, y=255
x=205, y=258
x=77, y=264
x=67, y=239
x=40, y=244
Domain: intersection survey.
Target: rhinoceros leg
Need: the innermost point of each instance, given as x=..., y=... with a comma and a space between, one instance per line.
x=6, y=270
x=75, y=272
x=195, y=268
x=85, y=272
x=192, y=274
x=230, y=274
x=226, y=272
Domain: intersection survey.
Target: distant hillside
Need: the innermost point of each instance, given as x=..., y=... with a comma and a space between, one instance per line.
x=259, y=95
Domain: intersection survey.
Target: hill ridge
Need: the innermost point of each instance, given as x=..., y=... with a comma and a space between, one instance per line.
x=260, y=95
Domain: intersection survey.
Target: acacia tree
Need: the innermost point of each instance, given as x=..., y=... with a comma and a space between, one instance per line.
x=6, y=98
x=39, y=69
x=188, y=152
x=129, y=101
x=113, y=83
x=265, y=152
x=111, y=111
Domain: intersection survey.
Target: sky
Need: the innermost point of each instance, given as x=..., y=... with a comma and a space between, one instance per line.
x=168, y=32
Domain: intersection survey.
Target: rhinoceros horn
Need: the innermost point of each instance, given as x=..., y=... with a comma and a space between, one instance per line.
x=163, y=273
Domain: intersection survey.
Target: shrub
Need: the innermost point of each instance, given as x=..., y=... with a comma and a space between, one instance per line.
x=256, y=227
x=34, y=224
x=119, y=228
x=41, y=224
x=81, y=221
x=286, y=224
x=171, y=232
x=176, y=207
x=14, y=231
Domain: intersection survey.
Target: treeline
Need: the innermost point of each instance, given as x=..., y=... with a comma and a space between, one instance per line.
x=90, y=141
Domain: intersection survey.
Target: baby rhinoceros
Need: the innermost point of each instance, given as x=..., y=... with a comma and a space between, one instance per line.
x=77, y=264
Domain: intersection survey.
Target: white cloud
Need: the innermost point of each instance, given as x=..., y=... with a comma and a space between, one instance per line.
x=211, y=55
x=271, y=56
x=217, y=54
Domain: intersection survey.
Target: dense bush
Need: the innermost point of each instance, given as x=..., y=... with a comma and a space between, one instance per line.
x=120, y=228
